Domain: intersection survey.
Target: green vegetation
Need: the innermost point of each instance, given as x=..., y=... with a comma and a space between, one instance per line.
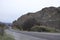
x=28, y=24
x=33, y=25
x=44, y=29
x=3, y=35
x=6, y=37
x=38, y=28
x=2, y=28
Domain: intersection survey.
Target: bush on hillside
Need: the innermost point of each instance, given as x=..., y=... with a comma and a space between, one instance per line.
x=28, y=24
x=42, y=29
x=38, y=28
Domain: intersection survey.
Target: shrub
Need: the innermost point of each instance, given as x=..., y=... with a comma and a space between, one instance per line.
x=6, y=37
x=28, y=24
x=42, y=29
x=38, y=28
x=2, y=27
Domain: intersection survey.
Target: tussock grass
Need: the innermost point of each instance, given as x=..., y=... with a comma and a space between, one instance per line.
x=6, y=37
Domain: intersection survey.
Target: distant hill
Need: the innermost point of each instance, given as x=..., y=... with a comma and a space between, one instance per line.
x=6, y=24
x=48, y=16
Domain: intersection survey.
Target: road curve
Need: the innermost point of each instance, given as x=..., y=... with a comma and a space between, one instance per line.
x=24, y=35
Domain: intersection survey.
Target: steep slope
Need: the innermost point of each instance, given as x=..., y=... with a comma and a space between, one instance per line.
x=48, y=16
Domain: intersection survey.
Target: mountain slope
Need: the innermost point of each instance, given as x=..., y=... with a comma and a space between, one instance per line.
x=48, y=16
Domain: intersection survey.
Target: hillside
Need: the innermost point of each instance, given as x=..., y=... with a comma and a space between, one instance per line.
x=48, y=16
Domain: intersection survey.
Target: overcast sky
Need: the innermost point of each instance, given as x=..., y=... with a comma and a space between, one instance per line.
x=10, y=10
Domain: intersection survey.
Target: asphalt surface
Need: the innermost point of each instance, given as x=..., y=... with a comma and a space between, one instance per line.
x=24, y=35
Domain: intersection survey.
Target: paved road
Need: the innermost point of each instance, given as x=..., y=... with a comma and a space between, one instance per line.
x=24, y=35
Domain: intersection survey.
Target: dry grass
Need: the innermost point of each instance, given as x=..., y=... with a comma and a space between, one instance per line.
x=6, y=37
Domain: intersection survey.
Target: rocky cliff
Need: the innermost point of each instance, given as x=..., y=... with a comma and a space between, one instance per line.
x=48, y=16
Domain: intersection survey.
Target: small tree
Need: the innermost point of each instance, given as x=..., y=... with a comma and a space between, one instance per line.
x=28, y=24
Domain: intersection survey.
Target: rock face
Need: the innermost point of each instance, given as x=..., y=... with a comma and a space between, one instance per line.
x=48, y=16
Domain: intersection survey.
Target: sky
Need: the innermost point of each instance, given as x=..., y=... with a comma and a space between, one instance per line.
x=11, y=10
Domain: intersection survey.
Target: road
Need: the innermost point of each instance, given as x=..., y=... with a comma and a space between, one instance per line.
x=24, y=35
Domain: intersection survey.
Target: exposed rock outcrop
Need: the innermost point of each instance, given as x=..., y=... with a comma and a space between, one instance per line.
x=48, y=16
